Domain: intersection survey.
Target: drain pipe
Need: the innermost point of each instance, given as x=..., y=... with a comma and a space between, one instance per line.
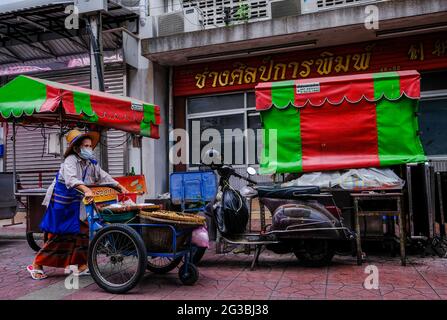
x=171, y=117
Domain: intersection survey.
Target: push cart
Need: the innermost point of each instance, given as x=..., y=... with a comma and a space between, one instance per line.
x=46, y=105
x=41, y=104
x=123, y=242
x=34, y=214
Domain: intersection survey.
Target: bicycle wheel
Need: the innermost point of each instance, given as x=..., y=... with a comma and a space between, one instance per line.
x=162, y=265
x=36, y=240
x=117, y=258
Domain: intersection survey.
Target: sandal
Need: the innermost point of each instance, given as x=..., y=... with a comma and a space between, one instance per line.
x=85, y=272
x=34, y=271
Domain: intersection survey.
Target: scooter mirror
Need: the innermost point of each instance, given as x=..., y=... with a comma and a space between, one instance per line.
x=251, y=171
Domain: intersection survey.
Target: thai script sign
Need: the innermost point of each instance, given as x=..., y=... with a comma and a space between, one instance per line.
x=425, y=52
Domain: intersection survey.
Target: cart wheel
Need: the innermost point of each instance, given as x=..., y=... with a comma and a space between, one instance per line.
x=162, y=265
x=36, y=240
x=188, y=276
x=117, y=258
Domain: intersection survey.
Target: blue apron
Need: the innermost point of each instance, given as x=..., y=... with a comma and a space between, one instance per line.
x=62, y=214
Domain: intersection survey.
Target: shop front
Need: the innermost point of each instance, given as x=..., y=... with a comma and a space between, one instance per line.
x=220, y=95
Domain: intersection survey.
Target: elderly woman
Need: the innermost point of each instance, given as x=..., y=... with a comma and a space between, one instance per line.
x=65, y=217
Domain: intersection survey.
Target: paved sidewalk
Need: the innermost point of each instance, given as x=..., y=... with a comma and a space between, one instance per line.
x=17, y=231
x=228, y=277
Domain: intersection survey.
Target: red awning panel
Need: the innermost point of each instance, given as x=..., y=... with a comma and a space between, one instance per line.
x=334, y=90
x=33, y=100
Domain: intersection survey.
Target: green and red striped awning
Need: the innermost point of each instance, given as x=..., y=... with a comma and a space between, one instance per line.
x=35, y=100
x=335, y=123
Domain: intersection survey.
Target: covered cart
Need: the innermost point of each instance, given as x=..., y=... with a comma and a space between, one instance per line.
x=343, y=123
x=33, y=102
x=120, y=242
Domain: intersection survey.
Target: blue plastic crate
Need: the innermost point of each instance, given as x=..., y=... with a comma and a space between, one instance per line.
x=192, y=187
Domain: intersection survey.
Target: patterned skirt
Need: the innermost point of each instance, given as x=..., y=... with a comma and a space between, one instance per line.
x=62, y=250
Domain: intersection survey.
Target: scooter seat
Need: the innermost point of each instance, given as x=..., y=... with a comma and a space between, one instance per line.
x=286, y=192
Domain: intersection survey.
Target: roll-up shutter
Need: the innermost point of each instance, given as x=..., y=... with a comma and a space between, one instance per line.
x=32, y=159
x=116, y=140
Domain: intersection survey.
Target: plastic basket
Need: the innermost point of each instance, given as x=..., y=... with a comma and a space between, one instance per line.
x=192, y=187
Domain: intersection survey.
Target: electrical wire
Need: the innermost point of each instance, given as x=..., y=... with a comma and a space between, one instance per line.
x=127, y=140
x=42, y=132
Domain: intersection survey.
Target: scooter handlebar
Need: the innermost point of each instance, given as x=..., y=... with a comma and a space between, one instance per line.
x=228, y=170
x=242, y=177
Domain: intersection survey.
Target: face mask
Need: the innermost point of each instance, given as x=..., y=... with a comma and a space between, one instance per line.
x=86, y=153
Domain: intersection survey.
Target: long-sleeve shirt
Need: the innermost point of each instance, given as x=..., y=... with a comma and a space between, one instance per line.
x=71, y=173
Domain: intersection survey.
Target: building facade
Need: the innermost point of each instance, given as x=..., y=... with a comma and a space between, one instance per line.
x=218, y=51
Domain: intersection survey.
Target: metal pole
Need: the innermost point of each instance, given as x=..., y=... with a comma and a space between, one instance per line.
x=441, y=204
x=171, y=117
x=14, y=169
x=141, y=155
x=94, y=26
x=429, y=196
x=61, y=137
x=410, y=199
x=96, y=56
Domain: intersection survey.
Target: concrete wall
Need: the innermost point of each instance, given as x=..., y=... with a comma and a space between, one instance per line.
x=149, y=82
x=2, y=142
x=354, y=15
x=329, y=27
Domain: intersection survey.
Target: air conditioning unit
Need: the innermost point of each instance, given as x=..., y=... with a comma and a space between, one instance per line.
x=284, y=8
x=90, y=6
x=186, y=20
x=131, y=5
x=309, y=6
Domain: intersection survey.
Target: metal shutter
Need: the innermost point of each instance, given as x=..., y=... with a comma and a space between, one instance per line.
x=116, y=140
x=31, y=155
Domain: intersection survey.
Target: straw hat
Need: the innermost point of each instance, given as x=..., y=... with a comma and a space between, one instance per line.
x=75, y=135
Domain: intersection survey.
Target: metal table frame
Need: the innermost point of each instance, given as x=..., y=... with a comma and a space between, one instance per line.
x=365, y=213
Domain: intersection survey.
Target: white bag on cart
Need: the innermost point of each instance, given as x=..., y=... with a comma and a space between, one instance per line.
x=370, y=178
x=350, y=179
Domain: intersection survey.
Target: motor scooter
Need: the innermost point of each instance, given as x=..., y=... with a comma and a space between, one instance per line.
x=305, y=220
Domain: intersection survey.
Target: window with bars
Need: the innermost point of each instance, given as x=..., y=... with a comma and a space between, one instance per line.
x=213, y=11
x=327, y=4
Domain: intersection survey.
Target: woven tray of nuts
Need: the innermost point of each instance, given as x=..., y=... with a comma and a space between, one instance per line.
x=173, y=216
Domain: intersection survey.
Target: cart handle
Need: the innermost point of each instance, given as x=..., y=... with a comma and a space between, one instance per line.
x=97, y=186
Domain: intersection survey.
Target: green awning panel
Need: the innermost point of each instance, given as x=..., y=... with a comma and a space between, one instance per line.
x=29, y=99
x=335, y=123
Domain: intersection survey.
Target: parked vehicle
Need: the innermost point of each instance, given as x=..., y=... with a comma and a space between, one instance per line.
x=305, y=221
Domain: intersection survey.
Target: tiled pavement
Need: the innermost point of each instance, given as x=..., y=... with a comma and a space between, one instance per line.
x=228, y=277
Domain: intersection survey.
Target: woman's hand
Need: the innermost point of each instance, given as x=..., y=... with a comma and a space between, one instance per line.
x=88, y=193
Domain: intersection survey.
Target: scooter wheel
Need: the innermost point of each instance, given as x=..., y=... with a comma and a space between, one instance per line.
x=315, y=253
x=188, y=276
